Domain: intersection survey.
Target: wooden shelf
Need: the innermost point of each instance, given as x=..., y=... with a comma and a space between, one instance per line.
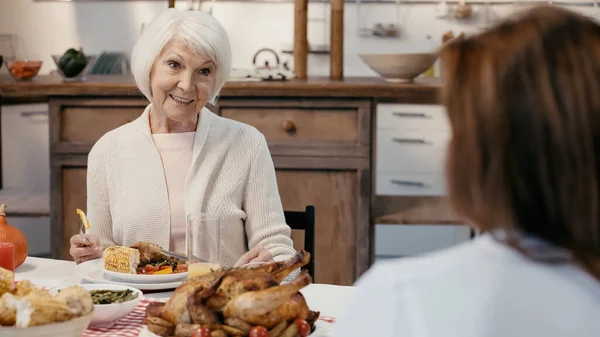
x=413, y=210
x=25, y=203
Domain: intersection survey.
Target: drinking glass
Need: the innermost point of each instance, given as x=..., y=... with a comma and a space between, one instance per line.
x=203, y=243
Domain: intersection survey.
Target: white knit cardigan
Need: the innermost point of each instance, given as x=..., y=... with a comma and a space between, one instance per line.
x=231, y=175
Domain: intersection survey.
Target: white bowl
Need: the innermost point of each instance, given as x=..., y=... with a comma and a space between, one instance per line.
x=71, y=328
x=107, y=314
x=399, y=68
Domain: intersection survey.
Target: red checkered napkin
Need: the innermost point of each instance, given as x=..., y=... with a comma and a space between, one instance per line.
x=128, y=326
x=327, y=319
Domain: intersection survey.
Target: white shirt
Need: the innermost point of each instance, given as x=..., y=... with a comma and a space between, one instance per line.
x=176, y=153
x=477, y=289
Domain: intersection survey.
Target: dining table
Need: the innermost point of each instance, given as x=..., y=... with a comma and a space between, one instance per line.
x=327, y=299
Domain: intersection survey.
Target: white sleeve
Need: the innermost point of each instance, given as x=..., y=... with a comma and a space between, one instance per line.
x=265, y=222
x=98, y=202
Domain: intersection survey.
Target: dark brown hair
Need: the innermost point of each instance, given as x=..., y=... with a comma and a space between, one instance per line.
x=523, y=99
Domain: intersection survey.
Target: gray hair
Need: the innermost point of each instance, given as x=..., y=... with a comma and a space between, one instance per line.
x=202, y=33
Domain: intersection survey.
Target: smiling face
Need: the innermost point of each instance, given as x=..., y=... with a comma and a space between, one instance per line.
x=181, y=83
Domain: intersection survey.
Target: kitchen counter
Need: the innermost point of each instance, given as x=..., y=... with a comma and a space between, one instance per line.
x=421, y=91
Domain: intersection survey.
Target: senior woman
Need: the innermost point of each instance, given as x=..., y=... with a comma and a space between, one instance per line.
x=179, y=158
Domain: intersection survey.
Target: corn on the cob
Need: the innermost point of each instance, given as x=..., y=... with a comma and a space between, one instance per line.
x=121, y=259
x=8, y=309
x=34, y=310
x=6, y=280
x=77, y=299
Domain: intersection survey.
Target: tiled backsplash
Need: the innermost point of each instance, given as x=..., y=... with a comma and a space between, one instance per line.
x=44, y=28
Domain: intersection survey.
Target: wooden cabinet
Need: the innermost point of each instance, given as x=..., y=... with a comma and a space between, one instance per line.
x=320, y=147
x=342, y=231
x=323, y=160
x=77, y=123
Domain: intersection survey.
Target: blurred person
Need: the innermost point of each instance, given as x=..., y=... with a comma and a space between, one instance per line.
x=523, y=166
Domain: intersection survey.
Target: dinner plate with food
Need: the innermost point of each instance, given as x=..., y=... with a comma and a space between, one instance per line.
x=142, y=265
x=143, y=262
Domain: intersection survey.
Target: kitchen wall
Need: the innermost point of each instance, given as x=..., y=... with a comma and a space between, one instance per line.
x=44, y=28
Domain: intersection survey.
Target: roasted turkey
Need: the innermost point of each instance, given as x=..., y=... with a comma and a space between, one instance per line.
x=233, y=301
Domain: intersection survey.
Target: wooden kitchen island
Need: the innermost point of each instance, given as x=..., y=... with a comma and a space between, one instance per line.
x=321, y=134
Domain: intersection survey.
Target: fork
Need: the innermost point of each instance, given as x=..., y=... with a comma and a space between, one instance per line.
x=83, y=222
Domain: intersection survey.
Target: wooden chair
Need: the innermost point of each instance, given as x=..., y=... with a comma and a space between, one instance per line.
x=305, y=221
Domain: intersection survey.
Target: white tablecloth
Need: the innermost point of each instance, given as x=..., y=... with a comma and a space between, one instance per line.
x=327, y=299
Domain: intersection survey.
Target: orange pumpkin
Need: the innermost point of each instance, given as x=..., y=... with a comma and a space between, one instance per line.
x=11, y=234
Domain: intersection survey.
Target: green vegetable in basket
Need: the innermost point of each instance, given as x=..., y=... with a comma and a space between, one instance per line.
x=72, y=62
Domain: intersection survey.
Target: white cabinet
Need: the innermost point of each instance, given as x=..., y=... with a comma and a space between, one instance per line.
x=393, y=241
x=411, y=149
x=26, y=172
x=410, y=155
x=25, y=148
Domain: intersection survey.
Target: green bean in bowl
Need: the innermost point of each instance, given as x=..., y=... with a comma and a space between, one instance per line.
x=105, y=296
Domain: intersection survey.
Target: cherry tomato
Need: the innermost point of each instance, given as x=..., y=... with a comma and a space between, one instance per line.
x=303, y=327
x=259, y=331
x=201, y=332
x=182, y=268
x=150, y=269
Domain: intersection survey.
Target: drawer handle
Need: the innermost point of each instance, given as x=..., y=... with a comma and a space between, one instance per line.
x=33, y=113
x=288, y=126
x=411, y=141
x=409, y=183
x=411, y=114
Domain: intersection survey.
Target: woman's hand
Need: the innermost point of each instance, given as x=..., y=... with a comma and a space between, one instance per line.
x=256, y=254
x=82, y=250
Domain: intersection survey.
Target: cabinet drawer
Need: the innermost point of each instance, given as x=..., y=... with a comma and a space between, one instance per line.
x=77, y=124
x=306, y=126
x=412, y=117
x=393, y=241
x=411, y=151
x=292, y=125
x=410, y=184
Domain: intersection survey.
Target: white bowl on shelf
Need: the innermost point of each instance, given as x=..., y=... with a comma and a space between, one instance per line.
x=400, y=68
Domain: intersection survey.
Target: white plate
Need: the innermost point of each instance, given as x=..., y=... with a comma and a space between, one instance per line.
x=141, y=278
x=93, y=271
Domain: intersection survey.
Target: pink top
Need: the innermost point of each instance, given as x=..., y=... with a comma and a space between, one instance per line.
x=176, y=152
